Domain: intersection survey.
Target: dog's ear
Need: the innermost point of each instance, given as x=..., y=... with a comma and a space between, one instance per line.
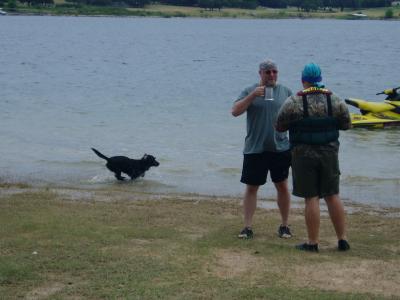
x=144, y=156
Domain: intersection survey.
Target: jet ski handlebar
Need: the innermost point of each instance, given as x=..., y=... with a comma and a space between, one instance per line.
x=389, y=91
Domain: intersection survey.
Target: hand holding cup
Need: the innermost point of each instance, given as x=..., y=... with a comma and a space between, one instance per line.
x=259, y=91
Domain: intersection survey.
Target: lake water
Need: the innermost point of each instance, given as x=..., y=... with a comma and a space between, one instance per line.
x=129, y=86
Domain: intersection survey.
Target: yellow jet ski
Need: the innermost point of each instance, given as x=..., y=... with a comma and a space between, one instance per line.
x=377, y=114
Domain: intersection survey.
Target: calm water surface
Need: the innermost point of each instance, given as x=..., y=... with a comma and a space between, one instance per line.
x=129, y=86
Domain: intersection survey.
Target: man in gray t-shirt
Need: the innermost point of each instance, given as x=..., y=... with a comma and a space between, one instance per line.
x=265, y=149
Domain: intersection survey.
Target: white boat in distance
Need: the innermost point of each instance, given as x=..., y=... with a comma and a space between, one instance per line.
x=359, y=15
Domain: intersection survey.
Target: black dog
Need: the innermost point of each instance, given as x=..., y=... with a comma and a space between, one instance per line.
x=132, y=167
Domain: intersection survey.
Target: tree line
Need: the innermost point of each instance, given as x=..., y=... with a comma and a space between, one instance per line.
x=305, y=5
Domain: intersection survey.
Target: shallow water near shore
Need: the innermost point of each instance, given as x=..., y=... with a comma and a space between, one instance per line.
x=129, y=86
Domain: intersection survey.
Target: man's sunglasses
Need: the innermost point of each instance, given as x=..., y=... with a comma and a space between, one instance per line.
x=270, y=71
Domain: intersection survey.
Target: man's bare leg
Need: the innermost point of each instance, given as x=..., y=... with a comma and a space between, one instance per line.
x=283, y=200
x=312, y=216
x=250, y=204
x=337, y=215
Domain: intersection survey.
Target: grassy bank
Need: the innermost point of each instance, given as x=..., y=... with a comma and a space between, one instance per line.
x=167, y=11
x=110, y=244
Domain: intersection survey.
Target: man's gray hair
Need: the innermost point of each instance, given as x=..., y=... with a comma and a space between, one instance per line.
x=268, y=65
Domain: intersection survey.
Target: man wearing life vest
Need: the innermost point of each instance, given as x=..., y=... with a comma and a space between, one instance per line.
x=314, y=117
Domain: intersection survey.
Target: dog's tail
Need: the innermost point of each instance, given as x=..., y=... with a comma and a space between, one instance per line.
x=100, y=154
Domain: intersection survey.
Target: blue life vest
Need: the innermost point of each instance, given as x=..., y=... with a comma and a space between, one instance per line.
x=313, y=130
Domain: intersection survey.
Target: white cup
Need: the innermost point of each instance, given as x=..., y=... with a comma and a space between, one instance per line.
x=269, y=94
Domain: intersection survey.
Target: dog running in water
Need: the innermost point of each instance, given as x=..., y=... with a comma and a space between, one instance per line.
x=134, y=168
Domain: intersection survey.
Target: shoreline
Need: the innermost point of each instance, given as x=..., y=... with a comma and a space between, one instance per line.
x=108, y=193
x=169, y=11
x=196, y=17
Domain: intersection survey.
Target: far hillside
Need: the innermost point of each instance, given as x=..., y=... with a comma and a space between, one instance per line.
x=347, y=9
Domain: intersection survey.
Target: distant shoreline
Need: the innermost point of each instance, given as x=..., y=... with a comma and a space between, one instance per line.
x=168, y=11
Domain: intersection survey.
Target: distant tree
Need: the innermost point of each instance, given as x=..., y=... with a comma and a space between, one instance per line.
x=374, y=3
x=389, y=13
x=249, y=4
x=99, y=2
x=355, y=4
x=340, y=4
x=327, y=3
x=180, y=2
x=211, y=4
x=274, y=3
x=11, y=4
x=40, y=2
x=295, y=3
x=309, y=5
x=137, y=3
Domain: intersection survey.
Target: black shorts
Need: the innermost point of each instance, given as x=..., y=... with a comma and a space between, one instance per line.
x=256, y=167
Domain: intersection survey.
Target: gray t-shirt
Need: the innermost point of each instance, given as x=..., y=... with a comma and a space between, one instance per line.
x=261, y=118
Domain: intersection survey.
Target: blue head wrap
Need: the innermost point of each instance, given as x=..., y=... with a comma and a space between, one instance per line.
x=312, y=74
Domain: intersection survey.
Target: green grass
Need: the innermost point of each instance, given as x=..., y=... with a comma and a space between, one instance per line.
x=182, y=248
x=167, y=11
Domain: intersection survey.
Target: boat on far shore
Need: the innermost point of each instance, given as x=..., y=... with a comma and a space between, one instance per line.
x=359, y=15
x=2, y=12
